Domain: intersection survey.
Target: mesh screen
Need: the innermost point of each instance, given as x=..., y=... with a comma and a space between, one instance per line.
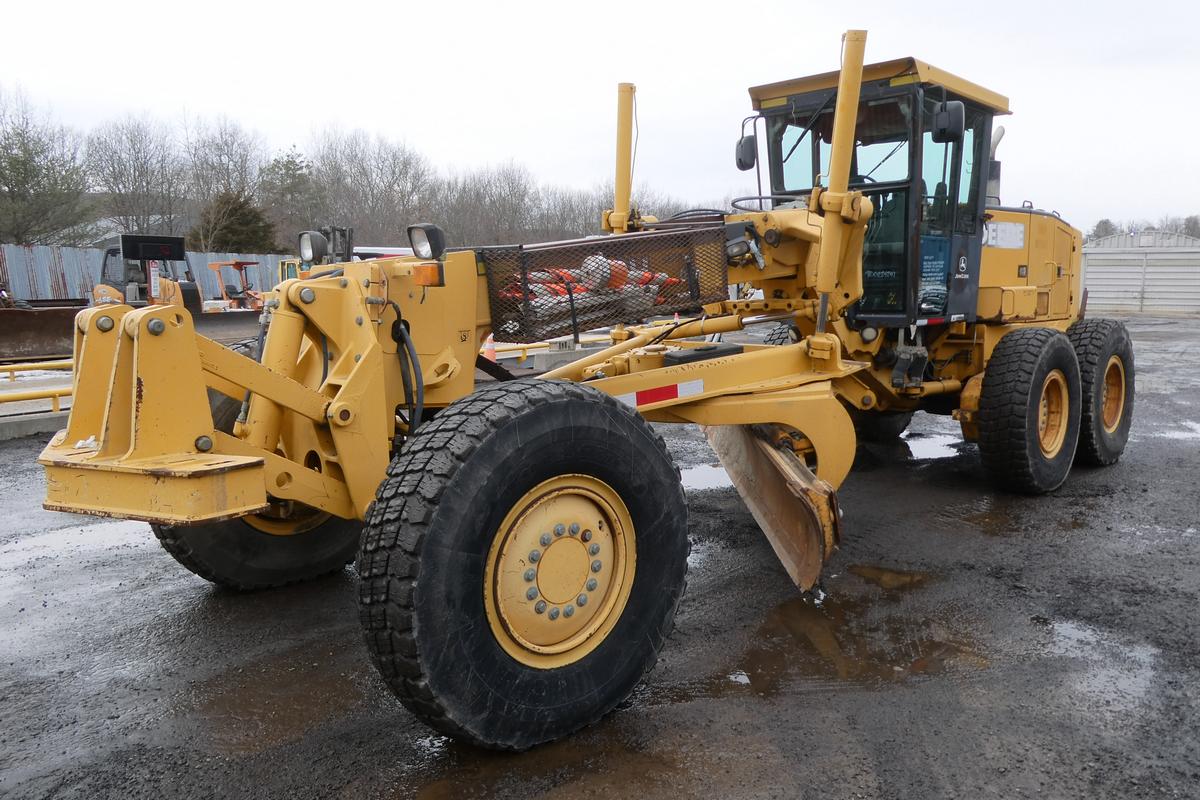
x=545, y=290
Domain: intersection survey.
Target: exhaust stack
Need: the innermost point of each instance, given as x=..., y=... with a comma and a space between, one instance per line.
x=993, y=182
x=617, y=218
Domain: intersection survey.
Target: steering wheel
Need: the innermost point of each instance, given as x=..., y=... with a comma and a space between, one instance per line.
x=862, y=179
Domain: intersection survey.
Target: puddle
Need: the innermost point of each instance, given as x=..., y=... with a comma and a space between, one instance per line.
x=888, y=579
x=594, y=763
x=1116, y=674
x=271, y=702
x=704, y=476
x=927, y=446
x=994, y=515
x=860, y=641
x=1192, y=433
x=701, y=552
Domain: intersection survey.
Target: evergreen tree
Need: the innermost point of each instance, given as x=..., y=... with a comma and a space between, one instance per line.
x=235, y=225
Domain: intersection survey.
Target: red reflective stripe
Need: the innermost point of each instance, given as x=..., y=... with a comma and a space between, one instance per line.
x=657, y=394
x=935, y=320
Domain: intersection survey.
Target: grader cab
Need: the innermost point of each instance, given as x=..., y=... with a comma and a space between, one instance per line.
x=521, y=546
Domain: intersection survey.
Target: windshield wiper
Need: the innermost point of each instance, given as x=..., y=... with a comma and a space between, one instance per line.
x=899, y=144
x=808, y=126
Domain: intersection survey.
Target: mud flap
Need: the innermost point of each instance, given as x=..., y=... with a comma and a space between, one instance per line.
x=796, y=510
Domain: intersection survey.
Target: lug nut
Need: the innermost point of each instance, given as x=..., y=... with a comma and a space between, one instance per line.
x=569, y=611
x=596, y=565
x=204, y=444
x=559, y=529
x=574, y=528
x=530, y=574
x=156, y=326
x=581, y=600
x=539, y=607
x=531, y=594
x=307, y=295
x=534, y=555
x=104, y=324
x=343, y=283
x=593, y=549
x=545, y=540
x=554, y=613
x=591, y=584
x=358, y=320
x=587, y=536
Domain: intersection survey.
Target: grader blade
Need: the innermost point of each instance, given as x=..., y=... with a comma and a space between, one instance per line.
x=795, y=509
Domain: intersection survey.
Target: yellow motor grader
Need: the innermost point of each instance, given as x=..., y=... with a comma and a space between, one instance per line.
x=521, y=544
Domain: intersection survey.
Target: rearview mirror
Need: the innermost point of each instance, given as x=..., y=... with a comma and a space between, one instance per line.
x=747, y=152
x=949, y=122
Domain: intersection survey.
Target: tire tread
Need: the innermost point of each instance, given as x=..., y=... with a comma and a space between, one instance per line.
x=389, y=558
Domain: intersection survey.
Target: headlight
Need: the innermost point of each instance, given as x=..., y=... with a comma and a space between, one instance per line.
x=313, y=247
x=427, y=240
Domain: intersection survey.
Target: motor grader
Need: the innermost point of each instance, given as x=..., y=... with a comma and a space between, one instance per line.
x=521, y=544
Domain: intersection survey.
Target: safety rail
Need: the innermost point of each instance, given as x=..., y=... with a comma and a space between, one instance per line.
x=52, y=394
x=523, y=350
x=32, y=366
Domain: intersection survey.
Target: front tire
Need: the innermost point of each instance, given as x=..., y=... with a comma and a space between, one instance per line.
x=1029, y=410
x=522, y=564
x=1106, y=374
x=260, y=552
x=869, y=426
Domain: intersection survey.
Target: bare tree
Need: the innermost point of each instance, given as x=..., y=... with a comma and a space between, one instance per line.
x=43, y=181
x=224, y=160
x=136, y=164
x=375, y=185
x=1191, y=226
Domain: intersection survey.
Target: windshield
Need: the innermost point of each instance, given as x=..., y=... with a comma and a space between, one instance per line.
x=800, y=157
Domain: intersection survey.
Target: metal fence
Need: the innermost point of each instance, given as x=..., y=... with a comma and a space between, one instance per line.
x=1125, y=277
x=38, y=272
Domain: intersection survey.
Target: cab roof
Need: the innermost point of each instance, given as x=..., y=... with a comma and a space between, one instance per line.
x=899, y=71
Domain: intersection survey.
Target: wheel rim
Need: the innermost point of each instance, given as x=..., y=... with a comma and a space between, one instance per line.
x=1112, y=397
x=286, y=518
x=559, y=571
x=1052, y=414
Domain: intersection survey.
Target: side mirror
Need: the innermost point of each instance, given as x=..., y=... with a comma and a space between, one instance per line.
x=949, y=122
x=313, y=247
x=747, y=152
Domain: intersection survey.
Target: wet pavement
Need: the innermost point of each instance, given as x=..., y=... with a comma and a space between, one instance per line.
x=968, y=643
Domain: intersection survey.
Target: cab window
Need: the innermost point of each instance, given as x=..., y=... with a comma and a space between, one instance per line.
x=800, y=157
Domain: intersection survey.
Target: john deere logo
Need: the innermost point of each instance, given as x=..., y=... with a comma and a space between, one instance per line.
x=962, y=263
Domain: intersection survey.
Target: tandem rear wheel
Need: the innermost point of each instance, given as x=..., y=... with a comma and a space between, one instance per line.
x=522, y=563
x=1105, y=354
x=1029, y=410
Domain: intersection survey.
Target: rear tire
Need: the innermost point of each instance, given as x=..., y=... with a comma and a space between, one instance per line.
x=444, y=629
x=1106, y=375
x=237, y=555
x=1029, y=410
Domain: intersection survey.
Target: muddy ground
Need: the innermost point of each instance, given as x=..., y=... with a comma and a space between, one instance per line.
x=972, y=644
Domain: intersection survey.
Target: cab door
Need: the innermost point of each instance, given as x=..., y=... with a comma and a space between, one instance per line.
x=949, y=209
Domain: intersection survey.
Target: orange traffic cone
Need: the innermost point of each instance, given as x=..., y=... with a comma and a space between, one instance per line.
x=489, y=348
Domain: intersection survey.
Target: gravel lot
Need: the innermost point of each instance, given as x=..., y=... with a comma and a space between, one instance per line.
x=972, y=644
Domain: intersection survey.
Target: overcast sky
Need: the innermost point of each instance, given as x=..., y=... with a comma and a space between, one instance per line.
x=1105, y=95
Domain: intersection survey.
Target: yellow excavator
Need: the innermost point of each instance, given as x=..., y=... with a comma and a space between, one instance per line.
x=522, y=544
